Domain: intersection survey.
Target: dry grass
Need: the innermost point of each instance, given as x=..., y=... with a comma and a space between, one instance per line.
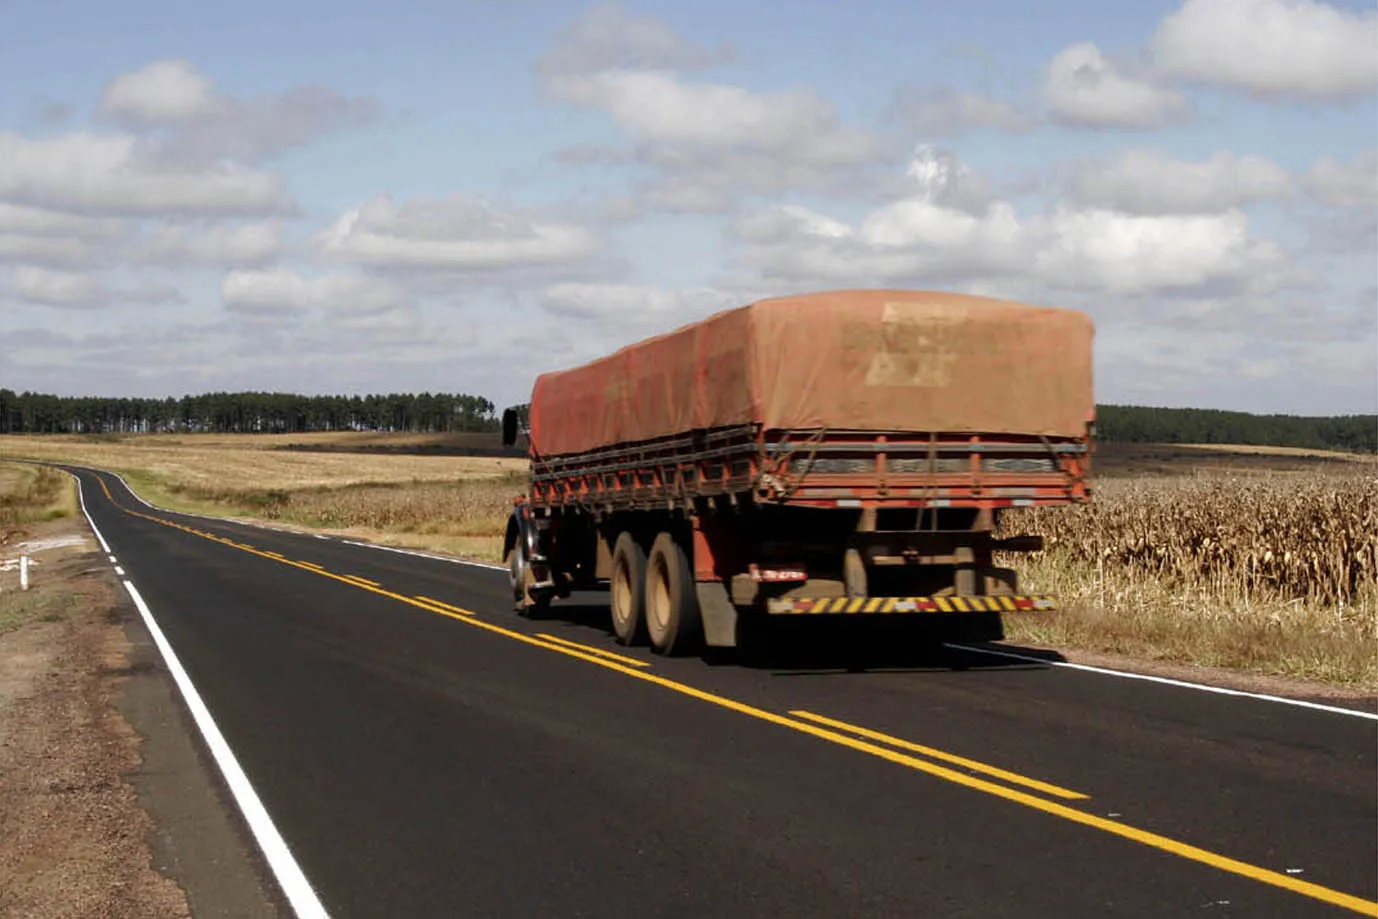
x=1270, y=572
x=466, y=516
x=1267, y=450
x=1114, y=460
x=453, y=504
x=30, y=494
x=220, y=462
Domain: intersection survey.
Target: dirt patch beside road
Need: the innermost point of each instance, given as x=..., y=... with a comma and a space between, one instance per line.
x=75, y=840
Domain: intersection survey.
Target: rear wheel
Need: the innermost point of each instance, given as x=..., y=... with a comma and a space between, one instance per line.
x=516, y=574
x=627, y=595
x=521, y=578
x=672, y=605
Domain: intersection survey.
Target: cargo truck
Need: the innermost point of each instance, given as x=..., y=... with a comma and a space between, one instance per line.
x=845, y=453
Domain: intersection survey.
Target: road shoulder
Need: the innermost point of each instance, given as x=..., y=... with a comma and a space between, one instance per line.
x=1359, y=699
x=107, y=808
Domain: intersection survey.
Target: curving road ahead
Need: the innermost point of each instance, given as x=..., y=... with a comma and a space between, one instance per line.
x=401, y=744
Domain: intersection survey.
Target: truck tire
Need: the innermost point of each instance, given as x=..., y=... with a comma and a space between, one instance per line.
x=516, y=575
x=627, y=590
x=672, y=604
x=521, y=577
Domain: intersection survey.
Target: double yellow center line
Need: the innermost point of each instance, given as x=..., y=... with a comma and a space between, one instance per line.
x=863, y=740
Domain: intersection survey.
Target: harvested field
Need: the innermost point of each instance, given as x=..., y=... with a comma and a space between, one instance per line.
x=448, y=503
x=1271, y=572
x=1114, y=460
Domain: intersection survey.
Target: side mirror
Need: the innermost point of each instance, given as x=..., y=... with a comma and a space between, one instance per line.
x=509, y=427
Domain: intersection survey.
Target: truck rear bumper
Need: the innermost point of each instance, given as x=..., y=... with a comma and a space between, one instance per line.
x=795, y=606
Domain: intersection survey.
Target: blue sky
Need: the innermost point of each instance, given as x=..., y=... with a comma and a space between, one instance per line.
x=349, y=198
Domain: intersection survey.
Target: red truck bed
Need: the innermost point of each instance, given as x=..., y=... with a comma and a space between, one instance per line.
x=841, y=399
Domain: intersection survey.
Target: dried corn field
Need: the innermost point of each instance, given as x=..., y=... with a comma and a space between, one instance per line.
x=1274, y=572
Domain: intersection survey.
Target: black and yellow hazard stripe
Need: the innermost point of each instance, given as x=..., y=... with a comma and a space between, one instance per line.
x=863, y=605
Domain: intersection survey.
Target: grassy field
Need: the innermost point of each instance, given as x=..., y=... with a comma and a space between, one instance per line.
x=1260, y=560
x=451, y=504
x=29, y=494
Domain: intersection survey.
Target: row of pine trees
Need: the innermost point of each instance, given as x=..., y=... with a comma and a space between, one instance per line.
x=1144, y=425
x=245, y=412
x=287, y=413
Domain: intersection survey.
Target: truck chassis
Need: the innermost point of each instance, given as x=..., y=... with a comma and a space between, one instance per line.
x=697, y=535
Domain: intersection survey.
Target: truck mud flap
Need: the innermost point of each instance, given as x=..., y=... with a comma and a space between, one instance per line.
x=804, y=606
x=718, y=615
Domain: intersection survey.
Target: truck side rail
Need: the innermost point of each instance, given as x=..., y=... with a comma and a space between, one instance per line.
x=819, y=469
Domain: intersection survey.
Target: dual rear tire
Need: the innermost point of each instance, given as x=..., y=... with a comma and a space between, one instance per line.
x=627, y=591
x=653, y=595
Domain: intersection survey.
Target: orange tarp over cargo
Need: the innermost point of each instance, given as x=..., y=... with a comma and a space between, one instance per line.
x=872, y=360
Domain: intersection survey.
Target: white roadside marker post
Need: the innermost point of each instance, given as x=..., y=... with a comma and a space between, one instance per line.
x=23, y=572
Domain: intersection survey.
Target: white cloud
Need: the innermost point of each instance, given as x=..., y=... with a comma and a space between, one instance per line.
x=608, y=38
x=1151, y=182
x=1083, y=87
x=924, y=238
x=200, y=127
x=630, y=302
x=46, y=250
x=905, y=241
x=458, y=233
x=1121, y=253
x=392, y=323
x=658, y=107
x=945, y=112
x=33, y=221
x=1292, y=47
x=279, y=292
x=707, y=143
x=787, y=221
x=158, y=93
x=921, y=224
x=938, y=176
x=945, y=226
x=56, y=288
x=111, y=173
x=1351, y=184
x=238, y=244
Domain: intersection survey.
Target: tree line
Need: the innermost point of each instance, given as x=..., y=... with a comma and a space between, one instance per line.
x=1141, y=424
x=287, y=413
x=245, y=413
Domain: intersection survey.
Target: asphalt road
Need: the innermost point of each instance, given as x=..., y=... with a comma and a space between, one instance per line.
x=424, y=752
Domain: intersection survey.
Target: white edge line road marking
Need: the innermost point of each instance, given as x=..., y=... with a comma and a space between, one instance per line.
x=1166, y=681
x=291, y=879
x=81, y=499
x=1086, y=668
x=436, y=558
x=119, y=571
x=284, y=866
